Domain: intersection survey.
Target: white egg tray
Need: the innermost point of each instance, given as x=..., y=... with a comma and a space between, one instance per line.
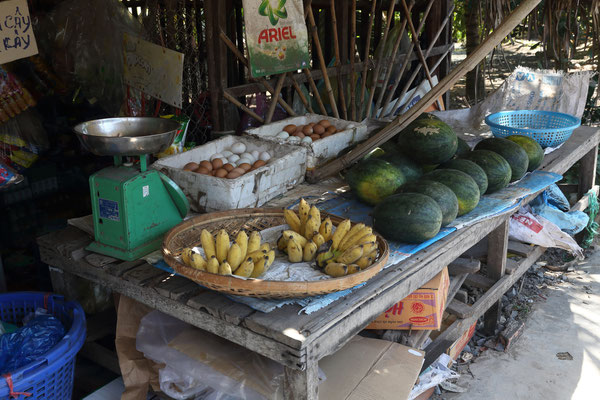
x=322, y=150
x=206, y=193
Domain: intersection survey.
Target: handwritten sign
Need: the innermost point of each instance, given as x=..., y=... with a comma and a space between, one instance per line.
x=153, y=69
x=16, y=33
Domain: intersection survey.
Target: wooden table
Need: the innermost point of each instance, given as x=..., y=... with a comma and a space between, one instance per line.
x=300, y=341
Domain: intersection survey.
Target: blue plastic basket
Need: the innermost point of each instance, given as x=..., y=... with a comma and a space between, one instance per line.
x=548, y=128
x=51, y=376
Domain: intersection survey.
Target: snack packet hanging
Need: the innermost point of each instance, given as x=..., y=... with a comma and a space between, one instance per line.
x=178, y=143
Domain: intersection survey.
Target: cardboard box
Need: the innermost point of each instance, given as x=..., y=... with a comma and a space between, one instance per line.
x=366, y=369
x=421, y=310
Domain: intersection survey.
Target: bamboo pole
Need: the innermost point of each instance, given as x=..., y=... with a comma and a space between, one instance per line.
x=392, y=59
x=352, y=54
x=363, y=85
x=262, y=80
x=405, y=62
x=394, y=127
x=418, y=68
x=303, y=98
x=315, y=91
x=338, y=62
x=274, y=97
x=315, y=35
x=378, y=61
x=242, y=107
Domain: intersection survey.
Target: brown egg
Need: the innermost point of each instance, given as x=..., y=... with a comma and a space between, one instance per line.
x=241, y=171
x=300, y=135
x=314, y=137
x=191, y=166
x=206, y=164
x=228, y=167
x=217, y=163
x=331, y=129
x=312, y=124
x=245, y=166
x=307, y=130
x=221, y=173
x=318, y=129
x=258, y=164
x=324, y=123
x=326, y=134
x=202, y=170
x=233, y=174
x=291, y=128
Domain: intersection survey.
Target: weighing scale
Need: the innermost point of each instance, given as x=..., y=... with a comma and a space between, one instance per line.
x=133, y=207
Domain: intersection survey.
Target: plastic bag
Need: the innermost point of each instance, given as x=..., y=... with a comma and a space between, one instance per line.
x=554, y=206
x=39, y=335
x=227, y=370
x=435, y=374
x=529, y=228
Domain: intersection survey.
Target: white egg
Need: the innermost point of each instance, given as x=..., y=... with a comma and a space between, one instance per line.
x=293, y=139
x=307, y=139
x=233, y=158
x=265, y=156
x=238, y=148
x=255, y=154
x=350, y=126
x=249, y=156
x=217, y=155
x=283, y=135
x=245, y=160
x=226, y=153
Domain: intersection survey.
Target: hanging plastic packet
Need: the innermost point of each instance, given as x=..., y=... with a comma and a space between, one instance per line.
x=8, y=176
x=178, y=143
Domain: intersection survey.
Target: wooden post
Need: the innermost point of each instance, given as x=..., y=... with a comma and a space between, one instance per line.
x=213, y=70
x=274, y=97
x=242, y=107
x=496, y=266
x=366, y=62
x=338, y=62
x=301, y=385
x=315, y=91
x=352, y=54
x=587, y=171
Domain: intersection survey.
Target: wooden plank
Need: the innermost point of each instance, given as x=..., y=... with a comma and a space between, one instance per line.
x=459, y=309
x=301, y=385
x=142, y=274
x=587, y=171
x=177, y=287
x=519, y=249
x=221, y=307
x=120, y=268
x=464, y=266
x=479, y=281
x=511, y=266
x=99, y=260
x=584, y=202
x=496, y=266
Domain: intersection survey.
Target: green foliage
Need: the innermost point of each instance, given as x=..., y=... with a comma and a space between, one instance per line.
x=459, y=31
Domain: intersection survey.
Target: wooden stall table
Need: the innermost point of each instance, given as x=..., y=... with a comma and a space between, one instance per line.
x=300, y=341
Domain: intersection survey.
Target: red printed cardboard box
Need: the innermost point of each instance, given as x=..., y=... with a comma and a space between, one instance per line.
x=421, y=310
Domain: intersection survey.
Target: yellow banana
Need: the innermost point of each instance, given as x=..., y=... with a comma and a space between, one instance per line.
x=282, y=243
x=259, y=266
x=225, y=268
x=294, y=251
x=341, y=231
x=212, y=265
x=367, y=239
x=296, y=236
x=235, y=257
x=186, y=256
x=336, y=269
x=292, y=220
x=318, y=239
x=323, y=258
x=353, y=231
x=242, y=240
x=265, y=246
x=253, y=242
x=356, y=238
x=270, y=258
x=352, y=269
x=257, y=254
x=326, y=229
x=245, y=269
x=303, y=210
x=372, y=254
x=369, y=247
x=198, y=262
x=316, y=214
x=222, y=242
x=208, y=244
x=351, y=255
x=309, y=252
x=364, y=262
x=311, y=228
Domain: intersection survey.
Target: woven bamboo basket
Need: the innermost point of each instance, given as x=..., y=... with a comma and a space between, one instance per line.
x=187, y=234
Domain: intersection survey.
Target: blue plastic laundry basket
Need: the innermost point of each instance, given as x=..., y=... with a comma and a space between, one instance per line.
x=548, y=128
x=51, y=376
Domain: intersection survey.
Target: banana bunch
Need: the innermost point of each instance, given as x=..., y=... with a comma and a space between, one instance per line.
x=307, y=233
x=351, y=249
x=245, y=257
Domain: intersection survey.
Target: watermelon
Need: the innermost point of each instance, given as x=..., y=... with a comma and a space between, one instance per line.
x=514, y=154
x=428, y=141
x=411, y=170
x=439, y=192
x=408, y=218
x=373, y=180
x=534, y=151
x=428, y=116
x=495, y=166
x=470, y=168
x=462, y=149
x=464, y=187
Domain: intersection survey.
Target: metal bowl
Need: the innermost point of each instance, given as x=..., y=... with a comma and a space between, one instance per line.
x=131, y=136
